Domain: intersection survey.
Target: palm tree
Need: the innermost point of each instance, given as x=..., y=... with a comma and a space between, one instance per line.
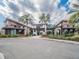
x=74, y=18
x=44, y=19
x=26, y=19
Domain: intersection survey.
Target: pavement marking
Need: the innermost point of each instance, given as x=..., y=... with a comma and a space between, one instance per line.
x=1, y=56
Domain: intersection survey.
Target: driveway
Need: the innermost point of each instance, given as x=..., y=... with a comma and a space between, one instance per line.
x=36, y=48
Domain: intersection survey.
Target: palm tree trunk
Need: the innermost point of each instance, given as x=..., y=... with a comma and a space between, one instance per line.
x=45, y=29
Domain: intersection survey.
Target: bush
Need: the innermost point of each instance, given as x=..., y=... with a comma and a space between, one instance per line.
x=56, y=36
x=8, y=36
x=48, y=32
x=44, y=34
x=72, y=38
x=13, y=35
x=75, y=38
x=69, y=34
x=3, y=36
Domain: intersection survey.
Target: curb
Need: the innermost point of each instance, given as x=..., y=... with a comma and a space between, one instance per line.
x=62, y=41
x=65, y=41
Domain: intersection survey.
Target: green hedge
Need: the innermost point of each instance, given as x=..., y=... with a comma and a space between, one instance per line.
x=62, y=37
x=8, y=36
x=73, y=38
x=69, y=35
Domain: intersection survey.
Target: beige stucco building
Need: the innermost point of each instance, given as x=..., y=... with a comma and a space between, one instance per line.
x=14, y=27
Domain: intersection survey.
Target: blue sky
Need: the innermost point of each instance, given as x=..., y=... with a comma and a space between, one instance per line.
x=2, y=18
x=15, y=8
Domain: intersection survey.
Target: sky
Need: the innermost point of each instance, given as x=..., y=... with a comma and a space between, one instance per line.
x=58, y=9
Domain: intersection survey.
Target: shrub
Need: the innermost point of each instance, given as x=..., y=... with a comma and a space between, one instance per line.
x=3, y=36
x=13, y=35
x=8, y=36
x=56, y=36
x=75, y=38
x=48, y=32
x=72, y=38
x=69, y=34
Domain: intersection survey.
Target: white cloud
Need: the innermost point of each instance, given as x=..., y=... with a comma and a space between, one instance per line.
x=5, y=11
x=34, y=7
x=59, y=15
x=74, y=2
x=54, y=2
x=37, y=7
x=38, y=2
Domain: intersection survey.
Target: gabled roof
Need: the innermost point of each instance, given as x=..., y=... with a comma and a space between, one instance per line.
x=61, y=22
x=14, y=22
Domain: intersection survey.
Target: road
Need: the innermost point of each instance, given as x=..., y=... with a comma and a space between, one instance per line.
x=36, y=48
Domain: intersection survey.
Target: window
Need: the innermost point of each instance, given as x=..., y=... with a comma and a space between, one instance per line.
x=15, y=26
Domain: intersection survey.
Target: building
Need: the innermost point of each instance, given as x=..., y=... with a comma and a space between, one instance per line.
x=17, y=28
x=13, y=27
x=38, y=29
x=64, y=26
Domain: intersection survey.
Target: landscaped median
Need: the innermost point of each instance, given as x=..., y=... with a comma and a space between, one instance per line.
x=62, y=37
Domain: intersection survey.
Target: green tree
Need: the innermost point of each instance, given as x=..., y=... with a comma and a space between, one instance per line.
x=74, y=18
x=44, y=18
x=26, y=19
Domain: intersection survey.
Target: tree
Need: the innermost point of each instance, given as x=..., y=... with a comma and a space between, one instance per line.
x=43, y=20
x=26, y=19
x=74, y=18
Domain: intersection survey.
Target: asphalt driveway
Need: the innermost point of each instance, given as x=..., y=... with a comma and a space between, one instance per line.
x=32, y=48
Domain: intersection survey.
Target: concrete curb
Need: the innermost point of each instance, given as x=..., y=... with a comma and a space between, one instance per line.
x=63, y=41
x=66, y=41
